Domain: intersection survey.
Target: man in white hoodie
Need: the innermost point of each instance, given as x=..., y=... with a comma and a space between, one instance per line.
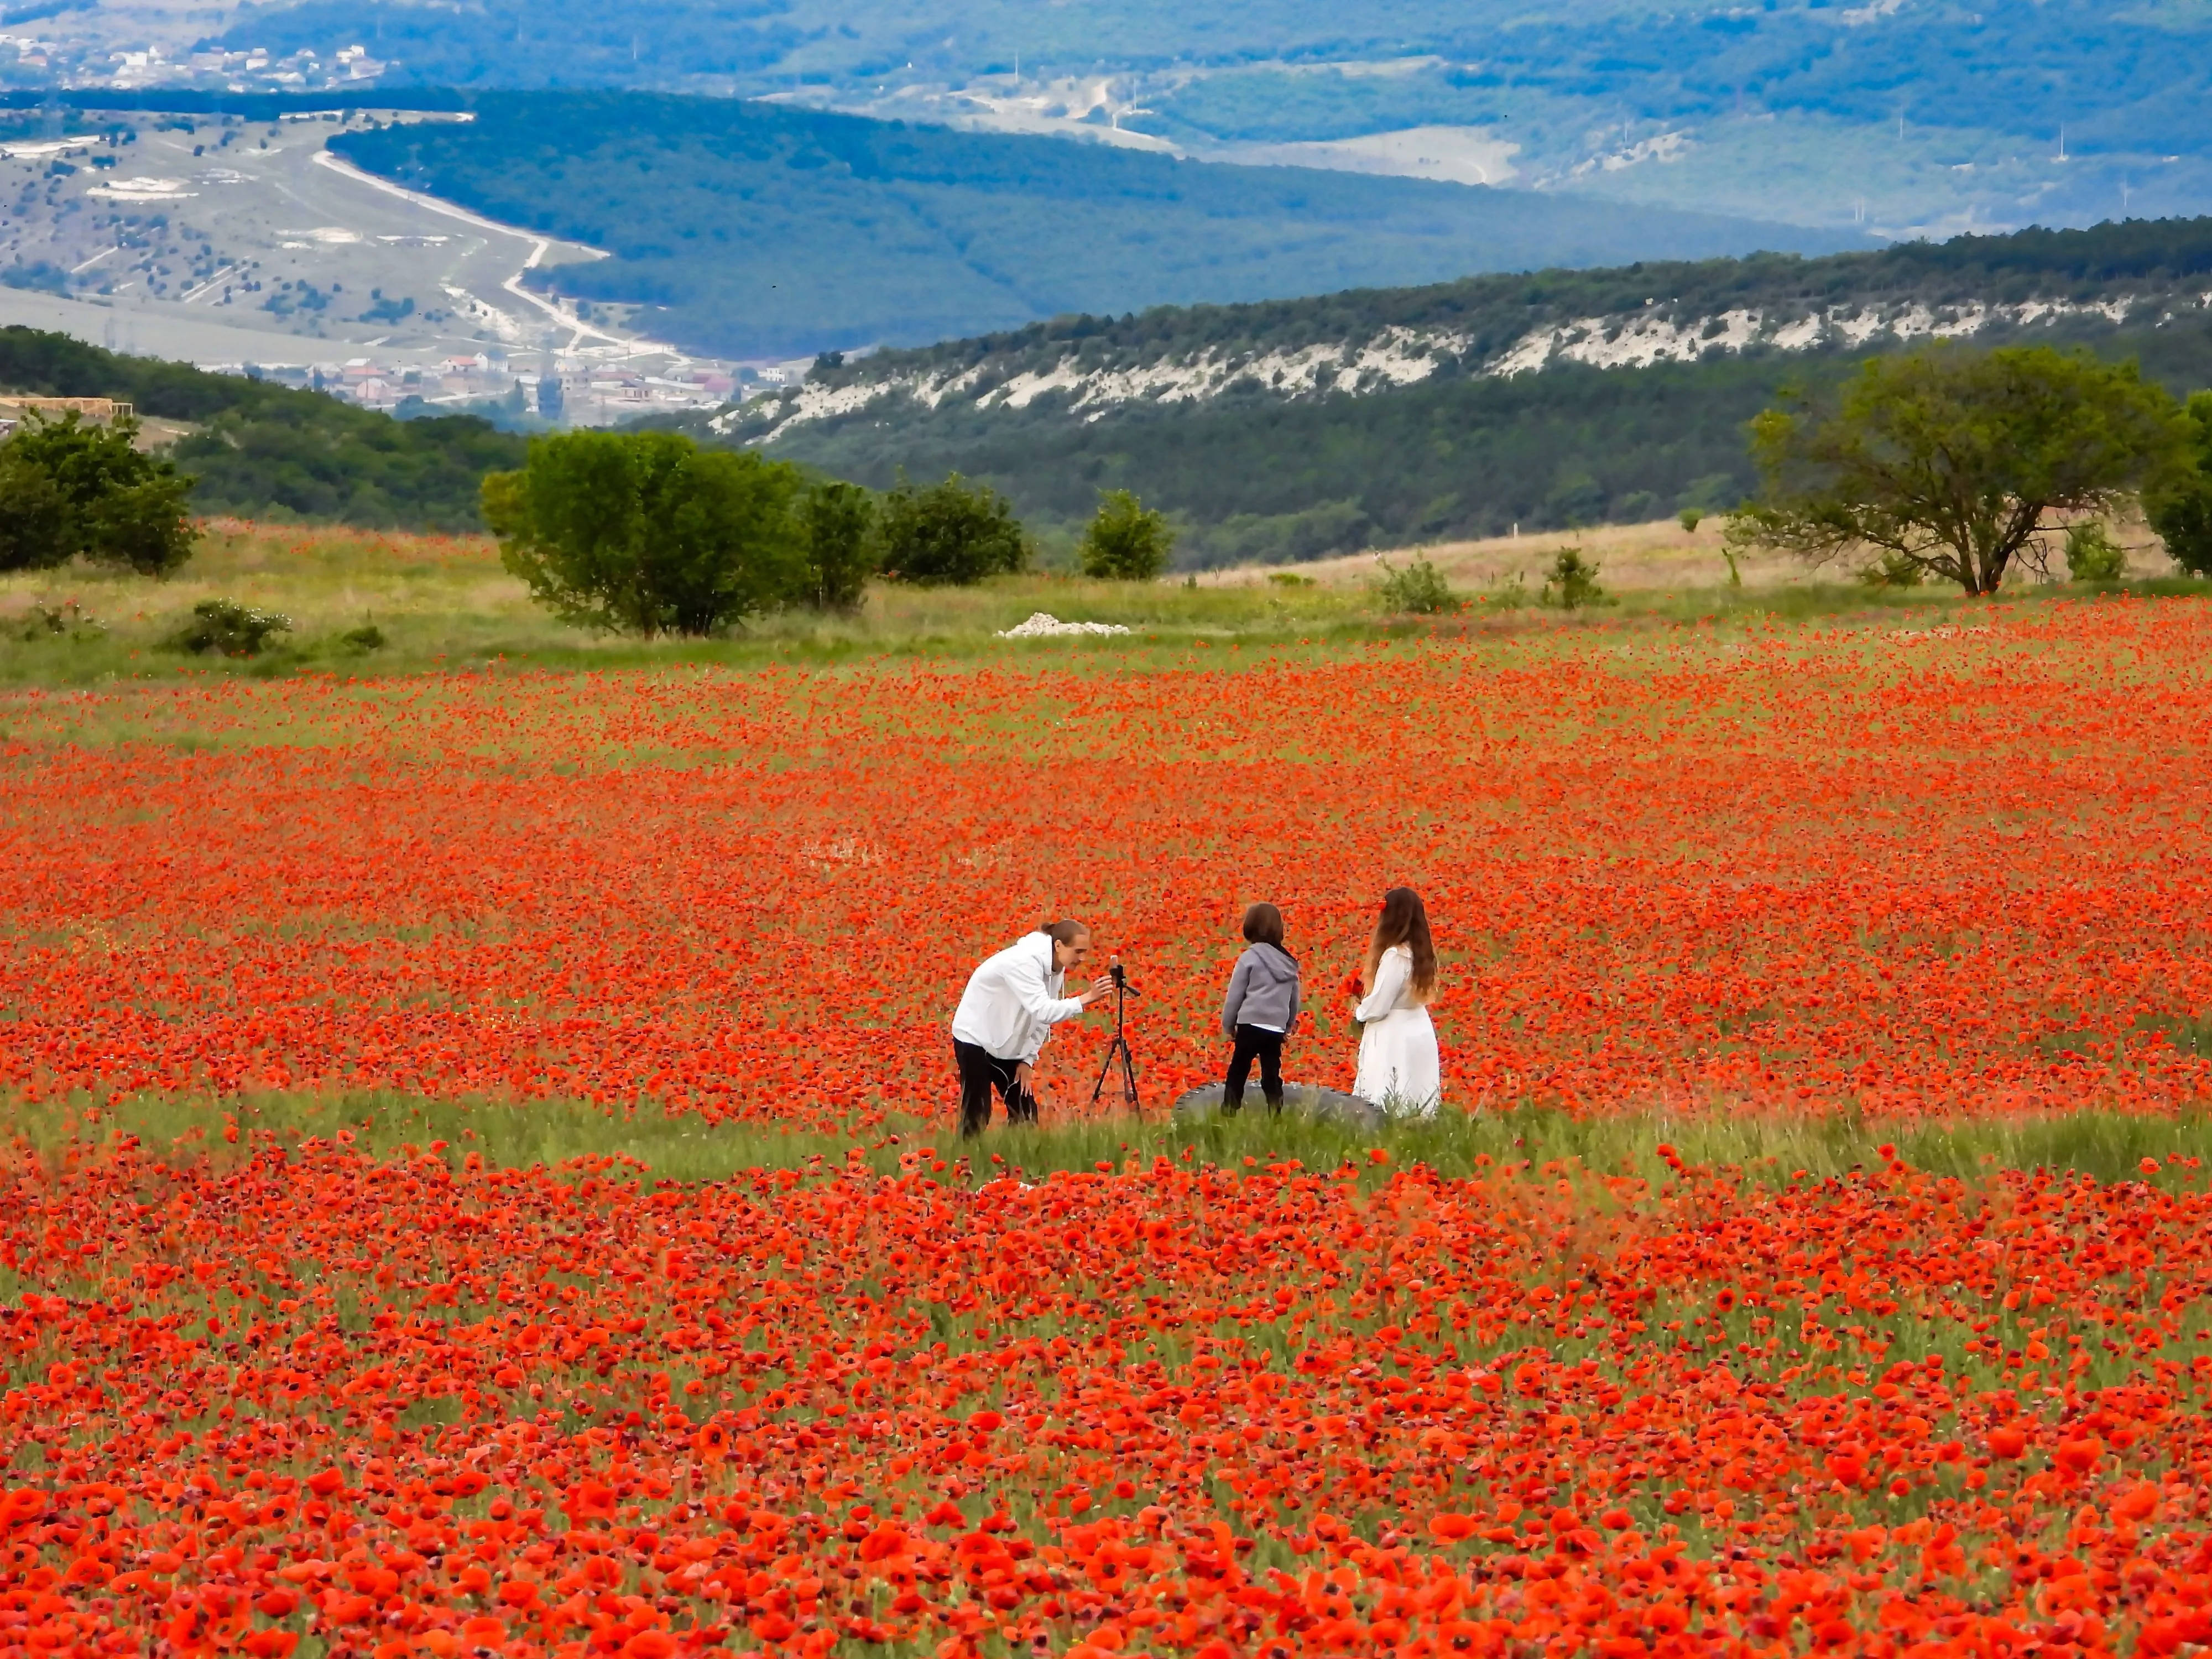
x=1011, y=1003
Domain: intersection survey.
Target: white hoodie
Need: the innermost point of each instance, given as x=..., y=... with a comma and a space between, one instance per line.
x=1012, y=1001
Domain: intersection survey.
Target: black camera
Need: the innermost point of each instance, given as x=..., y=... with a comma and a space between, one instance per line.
x=1120, y=977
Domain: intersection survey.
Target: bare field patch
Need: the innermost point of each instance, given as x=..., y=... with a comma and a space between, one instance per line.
x=1659, y=557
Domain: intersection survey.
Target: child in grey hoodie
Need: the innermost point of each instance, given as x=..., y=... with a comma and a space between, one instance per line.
x=1261, y=1007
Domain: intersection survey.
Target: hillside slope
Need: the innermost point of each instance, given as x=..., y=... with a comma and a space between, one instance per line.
x=1290, y=430
x=261, y=451
x=750, y=229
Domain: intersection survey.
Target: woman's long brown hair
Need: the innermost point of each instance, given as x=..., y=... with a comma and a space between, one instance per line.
x=1405, y=921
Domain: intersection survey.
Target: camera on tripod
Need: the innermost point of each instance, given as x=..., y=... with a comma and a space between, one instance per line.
x=1119, y=975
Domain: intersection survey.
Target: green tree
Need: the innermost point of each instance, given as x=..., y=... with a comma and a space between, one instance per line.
x=1953, y=460
x=35, y=528
x=841, y=554
x=1125, y=541
x=644, y=532
x=2092, y=555
x=69, y=488
x=2179, y=506
x=952, y=533
x=1572, y=582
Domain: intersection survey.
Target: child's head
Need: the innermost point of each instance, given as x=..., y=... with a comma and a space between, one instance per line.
x=1263, y=924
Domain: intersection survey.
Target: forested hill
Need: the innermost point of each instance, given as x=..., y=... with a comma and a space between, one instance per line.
x=2062, y=282
x=260, y=450
x=749, y=230
x=1295, y=429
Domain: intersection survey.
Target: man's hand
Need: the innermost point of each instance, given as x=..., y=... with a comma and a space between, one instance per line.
x=1025, y=1079
x=1101, y=988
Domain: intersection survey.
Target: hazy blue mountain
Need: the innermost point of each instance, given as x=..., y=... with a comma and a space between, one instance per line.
x=755, y=229
x=1903, y=114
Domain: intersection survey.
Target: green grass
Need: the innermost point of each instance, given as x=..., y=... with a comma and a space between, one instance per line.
x=1770, y=1150
x=444, y=604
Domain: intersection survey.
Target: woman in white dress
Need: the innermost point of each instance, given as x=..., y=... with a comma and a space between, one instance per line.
x=1399, y=1069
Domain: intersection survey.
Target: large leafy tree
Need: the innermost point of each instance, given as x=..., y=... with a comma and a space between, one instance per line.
x=949, y=534
x=2180, y=507
x=837, y=519
x=646, y=532
x=69, y=488
x=1955, y=462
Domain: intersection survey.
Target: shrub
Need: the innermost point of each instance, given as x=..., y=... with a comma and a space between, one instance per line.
x=1690, y=518
x=1418, y=590
x=1572, y=583
x=952, y=534
x=67, y=487
x=836, y=520
x=2092, y=555
x=1125, y=540
x=67, y=620
x=644, y=532
x=227, y=629
x=1286, y=579
x=366, y=638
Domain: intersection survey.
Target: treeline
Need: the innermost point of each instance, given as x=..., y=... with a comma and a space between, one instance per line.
x=262, y=450
x=1253, y=478
x=751, y=228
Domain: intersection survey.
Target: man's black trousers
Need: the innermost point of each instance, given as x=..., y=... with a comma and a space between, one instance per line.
x=981, y=1072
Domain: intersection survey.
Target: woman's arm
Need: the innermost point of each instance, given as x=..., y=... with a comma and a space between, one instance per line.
x=1233, y=1004
x=1391, y=976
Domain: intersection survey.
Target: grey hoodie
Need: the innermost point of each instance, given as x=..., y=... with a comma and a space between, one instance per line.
x=1263, y=990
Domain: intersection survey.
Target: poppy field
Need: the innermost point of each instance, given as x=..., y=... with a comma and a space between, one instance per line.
x=265, y=1393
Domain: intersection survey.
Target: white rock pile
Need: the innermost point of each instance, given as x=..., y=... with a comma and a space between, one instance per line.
x=1044, y=625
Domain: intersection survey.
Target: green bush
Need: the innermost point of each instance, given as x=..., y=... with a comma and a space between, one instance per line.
x=1572, y=583
x=1125, y=541
x=840, y=555
x=228, y=629
x=366, y=638
x=68, y=489
x=65, y=620
x=1418, y=590
x=2092, y=555
x=952, y=534
x=644, y=532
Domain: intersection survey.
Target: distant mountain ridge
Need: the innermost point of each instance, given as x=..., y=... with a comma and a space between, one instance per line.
x=2067, y=283
x=1911, y=118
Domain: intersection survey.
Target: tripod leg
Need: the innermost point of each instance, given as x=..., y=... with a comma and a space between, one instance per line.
x=1119, y=1045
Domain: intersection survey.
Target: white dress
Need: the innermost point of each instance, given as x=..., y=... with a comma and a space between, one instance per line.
x=1399, y=1070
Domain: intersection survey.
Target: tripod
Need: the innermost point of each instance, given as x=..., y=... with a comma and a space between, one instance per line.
x=1119, y=1050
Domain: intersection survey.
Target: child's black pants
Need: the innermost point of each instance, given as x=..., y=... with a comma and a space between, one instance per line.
x=1267, y=1048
